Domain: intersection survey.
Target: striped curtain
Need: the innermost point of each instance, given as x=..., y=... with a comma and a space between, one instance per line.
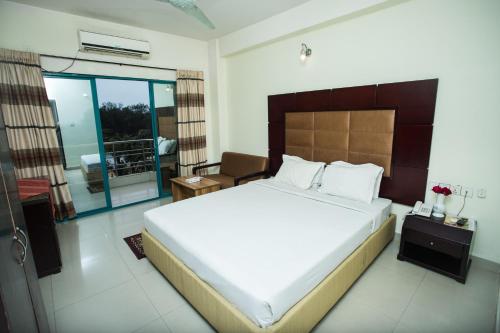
x=30, y=126
x=191, y=120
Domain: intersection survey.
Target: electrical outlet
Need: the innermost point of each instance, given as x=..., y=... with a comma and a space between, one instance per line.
x=468, y=190
x=481, y=193
x=456, y=189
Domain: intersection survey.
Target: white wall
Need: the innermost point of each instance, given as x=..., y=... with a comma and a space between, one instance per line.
x=457, y=41
x=39, y=30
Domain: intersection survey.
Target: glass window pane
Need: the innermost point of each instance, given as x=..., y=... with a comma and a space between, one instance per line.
x=128, y=140
x=72, y=105
x=167, y=132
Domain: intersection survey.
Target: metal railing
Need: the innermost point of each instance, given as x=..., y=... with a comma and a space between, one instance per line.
x=130, y=156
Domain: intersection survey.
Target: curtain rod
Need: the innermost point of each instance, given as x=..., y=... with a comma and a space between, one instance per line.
x=106, y=62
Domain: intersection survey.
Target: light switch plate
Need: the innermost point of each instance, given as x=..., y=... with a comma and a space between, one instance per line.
x=481, y=193
x=456, y=189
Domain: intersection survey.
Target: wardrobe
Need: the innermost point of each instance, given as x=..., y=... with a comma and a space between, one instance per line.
x=21, y=304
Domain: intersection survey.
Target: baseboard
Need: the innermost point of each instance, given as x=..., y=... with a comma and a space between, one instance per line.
x=486, y=264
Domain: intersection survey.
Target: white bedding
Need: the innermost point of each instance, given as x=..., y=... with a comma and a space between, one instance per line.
x=264, y=245
x=90, y=162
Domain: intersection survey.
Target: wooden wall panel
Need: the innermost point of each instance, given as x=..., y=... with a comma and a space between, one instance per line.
x=416, y=100
x=317, y=100
x=405, y=186
x=355, y=97
x=414, y=103
x=413, y=146
x=276, y=142
x=279, y=104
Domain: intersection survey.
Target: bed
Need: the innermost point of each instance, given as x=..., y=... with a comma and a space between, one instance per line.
x=250, y=258
x=249, y=276
x=92, y=173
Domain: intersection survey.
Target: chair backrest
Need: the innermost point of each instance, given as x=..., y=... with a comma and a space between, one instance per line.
x=236, y=164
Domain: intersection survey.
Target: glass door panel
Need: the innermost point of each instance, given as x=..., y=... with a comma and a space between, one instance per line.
x=128, y=140
x=73, y=108
x=166, y=123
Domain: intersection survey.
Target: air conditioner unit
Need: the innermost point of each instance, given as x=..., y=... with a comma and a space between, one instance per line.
x=94, y=42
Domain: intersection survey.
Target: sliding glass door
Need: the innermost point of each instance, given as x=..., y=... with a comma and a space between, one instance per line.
x=72, y=104
x=128, y=139
x=166, y=122
x=118, y=138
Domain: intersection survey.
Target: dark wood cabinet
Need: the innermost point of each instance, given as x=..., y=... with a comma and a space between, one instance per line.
x=42, y=234
x=434, y=245
x=21, y=304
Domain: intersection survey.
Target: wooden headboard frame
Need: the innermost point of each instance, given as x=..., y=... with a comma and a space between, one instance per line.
x=414, y=103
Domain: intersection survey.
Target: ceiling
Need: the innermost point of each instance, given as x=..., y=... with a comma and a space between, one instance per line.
x=227, y=15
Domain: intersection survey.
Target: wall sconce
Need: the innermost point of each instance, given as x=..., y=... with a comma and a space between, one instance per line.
x=304, y=52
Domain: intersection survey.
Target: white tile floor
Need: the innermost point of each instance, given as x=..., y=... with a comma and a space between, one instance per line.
x=120, y=196
x=124, y=195
x=104, y=288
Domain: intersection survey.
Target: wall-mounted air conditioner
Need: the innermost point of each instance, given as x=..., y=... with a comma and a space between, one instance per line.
x=94, y=42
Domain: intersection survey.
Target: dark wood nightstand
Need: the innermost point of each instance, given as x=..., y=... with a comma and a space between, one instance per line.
x=437, y=246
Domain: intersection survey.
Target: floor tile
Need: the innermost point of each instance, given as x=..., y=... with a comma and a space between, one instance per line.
x=350, y=315
x=388, y=259
x=74, y=249
x=121, y=309
x=452, y=306
x=136, y=266
x=79, y=280
x=161, y=293
x=48, y=300
x=385, y=289
x=186, y=320
x=157, y=326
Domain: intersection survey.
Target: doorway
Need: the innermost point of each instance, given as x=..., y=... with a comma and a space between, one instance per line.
x=108, y=132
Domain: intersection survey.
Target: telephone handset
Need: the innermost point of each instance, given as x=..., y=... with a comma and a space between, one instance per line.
x=422, y=209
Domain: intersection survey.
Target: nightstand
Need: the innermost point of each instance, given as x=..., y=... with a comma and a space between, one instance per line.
x=443, y=248
x=183, y=190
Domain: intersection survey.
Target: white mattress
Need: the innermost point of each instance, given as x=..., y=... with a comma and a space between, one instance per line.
x=264, y=245
x=92, y=162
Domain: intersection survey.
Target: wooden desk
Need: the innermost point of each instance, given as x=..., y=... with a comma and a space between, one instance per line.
x=182, y=190
x=42, y=234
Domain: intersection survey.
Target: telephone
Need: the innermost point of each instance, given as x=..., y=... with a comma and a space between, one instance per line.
x=422, y=209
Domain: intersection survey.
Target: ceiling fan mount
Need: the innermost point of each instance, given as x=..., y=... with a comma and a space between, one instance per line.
x=190, y=8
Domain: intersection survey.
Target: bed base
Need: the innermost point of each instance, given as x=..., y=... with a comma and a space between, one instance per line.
x=302, y=317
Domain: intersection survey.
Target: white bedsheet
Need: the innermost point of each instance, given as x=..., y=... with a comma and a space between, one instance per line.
x=91, y=161
x=264, y=245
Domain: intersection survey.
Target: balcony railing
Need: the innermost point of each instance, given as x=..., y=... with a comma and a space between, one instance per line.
x=130, y=156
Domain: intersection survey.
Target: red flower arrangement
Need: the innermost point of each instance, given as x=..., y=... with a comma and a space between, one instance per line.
x=441, y=190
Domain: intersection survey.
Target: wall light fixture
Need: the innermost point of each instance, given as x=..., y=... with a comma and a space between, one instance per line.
x=305, y=52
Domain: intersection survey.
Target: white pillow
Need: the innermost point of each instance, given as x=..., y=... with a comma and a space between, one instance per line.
x=317, y=179
x=172, y=146
x=162, y=146
x=352, y=183
x=376, y=168
x=298, y=173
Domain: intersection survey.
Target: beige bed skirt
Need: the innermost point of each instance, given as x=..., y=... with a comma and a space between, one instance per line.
x=302, y=317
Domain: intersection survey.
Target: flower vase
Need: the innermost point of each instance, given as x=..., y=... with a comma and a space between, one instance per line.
x=438, y=210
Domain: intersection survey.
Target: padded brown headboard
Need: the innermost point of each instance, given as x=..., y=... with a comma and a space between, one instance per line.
x=362, y=136
x=411, y=104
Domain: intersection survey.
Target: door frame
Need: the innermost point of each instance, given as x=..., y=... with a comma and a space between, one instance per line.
x=102, y=153
x=152, y=106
